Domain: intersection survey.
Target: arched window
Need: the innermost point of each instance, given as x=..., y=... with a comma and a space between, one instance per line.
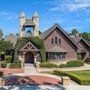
x=59, y=41
x=55, y=40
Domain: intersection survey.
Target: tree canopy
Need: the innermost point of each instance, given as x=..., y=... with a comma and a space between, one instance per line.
x=5, y=45
x=86, y=36
x=74, y=32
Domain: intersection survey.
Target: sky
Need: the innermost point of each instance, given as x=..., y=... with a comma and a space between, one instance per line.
x=69, y=14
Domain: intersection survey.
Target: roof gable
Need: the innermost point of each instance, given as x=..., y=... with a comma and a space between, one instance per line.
x=82, y=39
x=78, y=39
x=45, y=34
x=29, y=47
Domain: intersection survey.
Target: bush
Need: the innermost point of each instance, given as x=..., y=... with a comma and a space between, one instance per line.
x=48, y=65
x=1, y=73
x=15, y=65
x=8, y=58
x=3, y=65
x=62, y=65
x=75, y=63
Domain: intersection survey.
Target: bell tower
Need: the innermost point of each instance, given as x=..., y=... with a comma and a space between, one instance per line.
x=35, y=20
x=32, y=24
x=22, y=22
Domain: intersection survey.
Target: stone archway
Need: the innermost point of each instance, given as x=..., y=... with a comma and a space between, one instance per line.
x=29, y=57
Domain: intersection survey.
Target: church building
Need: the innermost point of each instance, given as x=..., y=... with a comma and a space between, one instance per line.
x=59, y=45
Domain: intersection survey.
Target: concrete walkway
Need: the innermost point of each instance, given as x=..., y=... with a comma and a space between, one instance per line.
x=30, y=69
x=85, y=67
x=75, y=86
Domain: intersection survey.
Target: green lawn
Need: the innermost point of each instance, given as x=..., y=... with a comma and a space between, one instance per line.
x=81, y=77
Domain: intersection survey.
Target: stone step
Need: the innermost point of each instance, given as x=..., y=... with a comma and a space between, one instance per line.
x=28, y=65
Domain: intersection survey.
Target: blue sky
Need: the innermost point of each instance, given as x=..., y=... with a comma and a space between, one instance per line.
x=68, y=14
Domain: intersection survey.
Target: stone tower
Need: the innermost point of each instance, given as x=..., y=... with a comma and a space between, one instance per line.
x=22, y=22
x=29, y=22
x=35, y=20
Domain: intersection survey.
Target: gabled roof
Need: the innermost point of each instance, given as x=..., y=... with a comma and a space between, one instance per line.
x=56, y=49
x=45, y=34
x=78, y=39
x=29, y=47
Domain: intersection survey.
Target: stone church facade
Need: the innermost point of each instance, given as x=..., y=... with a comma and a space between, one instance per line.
x=59, y=45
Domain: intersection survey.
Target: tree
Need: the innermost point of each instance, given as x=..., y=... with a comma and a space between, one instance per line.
x=86, y=36
x=1, y=34
x=74, y=32
x=5, y=45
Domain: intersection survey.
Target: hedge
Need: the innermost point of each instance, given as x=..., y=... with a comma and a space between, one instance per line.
x=74, y=63
x=59, y=73
x=75, y=75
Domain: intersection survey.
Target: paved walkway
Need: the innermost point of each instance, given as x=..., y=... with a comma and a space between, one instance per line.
x=85, y=67
x=30, y=69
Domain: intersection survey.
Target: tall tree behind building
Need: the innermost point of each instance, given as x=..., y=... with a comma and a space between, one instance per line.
x=1, y=34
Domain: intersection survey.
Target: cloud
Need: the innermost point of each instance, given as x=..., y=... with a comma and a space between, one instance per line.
x=8, y=15
x=69, y=5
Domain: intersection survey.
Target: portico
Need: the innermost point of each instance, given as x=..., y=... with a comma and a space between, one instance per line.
x=29, y=54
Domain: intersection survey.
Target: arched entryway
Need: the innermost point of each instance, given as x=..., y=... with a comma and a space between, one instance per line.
x=29, y=57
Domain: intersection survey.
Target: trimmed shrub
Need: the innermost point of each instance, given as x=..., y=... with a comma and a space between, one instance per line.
x=62, y=65
x=75, y=63
x=1, y=73
x=59, y=73
x=48, y=65
x=77, y=76
x=3, y=65
x=81, y=81
x=8, y=58
x=15, y=65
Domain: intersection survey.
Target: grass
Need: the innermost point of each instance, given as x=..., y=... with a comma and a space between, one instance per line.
x=81, y=77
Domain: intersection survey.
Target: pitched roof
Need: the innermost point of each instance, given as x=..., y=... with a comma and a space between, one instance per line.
x=29, y=47
x=45, y=34
x=56, y=49
x=77, y=39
